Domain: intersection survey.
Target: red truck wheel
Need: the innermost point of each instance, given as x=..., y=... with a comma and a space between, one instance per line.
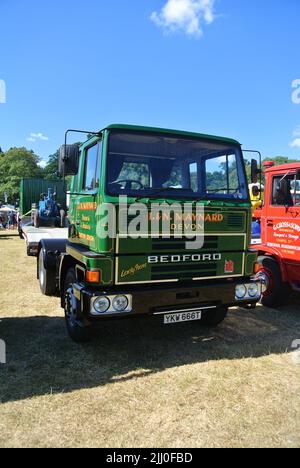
x=274, y=288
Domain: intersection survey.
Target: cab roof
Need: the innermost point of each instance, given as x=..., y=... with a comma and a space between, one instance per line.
x=137, y=128
x=283, y=168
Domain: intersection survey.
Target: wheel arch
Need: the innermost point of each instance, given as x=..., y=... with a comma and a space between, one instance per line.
x=277, y=256
x=66, y=262
x=52, y=249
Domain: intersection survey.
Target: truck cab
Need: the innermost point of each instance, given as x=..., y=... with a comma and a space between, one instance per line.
x=279, y=218
x=128, y=184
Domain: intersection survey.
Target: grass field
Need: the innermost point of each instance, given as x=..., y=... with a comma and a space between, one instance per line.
x=139, y=383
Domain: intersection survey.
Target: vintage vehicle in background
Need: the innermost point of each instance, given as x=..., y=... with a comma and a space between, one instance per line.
x=31, y=190
x=279, y=220
x=41, y=216
x=102, y=278
x=49, y=212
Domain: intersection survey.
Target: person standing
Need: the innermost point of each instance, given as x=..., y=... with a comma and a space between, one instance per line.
x=11, y=220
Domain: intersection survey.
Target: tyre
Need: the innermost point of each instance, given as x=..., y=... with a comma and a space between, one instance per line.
x=78, y=330
x=214, y=317
x=36, y=220
x=46, y=277
x=275, y=293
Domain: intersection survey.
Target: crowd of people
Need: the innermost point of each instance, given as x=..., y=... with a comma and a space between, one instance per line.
x=10, y=221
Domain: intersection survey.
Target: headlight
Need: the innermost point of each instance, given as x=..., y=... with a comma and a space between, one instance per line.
x=120, y=303
x=101, y=305
x=253, y=290
x=241, y=291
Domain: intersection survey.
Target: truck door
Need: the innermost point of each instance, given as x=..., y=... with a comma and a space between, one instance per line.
x=86, y=203
x=283, y=223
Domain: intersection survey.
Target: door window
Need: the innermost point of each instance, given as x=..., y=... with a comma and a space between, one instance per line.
x=286, y=191
x=91, y=179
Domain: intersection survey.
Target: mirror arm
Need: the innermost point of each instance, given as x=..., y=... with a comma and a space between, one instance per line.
x=85, y=132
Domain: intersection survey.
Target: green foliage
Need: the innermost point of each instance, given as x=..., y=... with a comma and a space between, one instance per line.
x=279, y=160
x=135, y=171
x=50, y=171
x=15, y=164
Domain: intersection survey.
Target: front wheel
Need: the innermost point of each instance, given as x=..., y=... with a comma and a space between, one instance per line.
x=214, y=317
x=78, y=330
x=275, y=289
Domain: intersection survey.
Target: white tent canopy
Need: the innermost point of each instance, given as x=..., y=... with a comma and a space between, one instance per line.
x=6, y=209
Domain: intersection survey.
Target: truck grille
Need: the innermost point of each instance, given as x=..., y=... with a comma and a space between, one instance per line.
x=175, y=245
x=183, y=271
x=235, y=221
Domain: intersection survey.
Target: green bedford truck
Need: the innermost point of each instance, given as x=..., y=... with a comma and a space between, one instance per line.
x=104, y=272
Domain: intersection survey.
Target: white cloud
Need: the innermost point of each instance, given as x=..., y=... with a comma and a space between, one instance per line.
x=43, y=163
x=37, y=137
x=295, y=143
x=185, y=15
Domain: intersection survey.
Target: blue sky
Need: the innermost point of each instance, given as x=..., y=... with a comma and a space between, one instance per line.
x=222, y=67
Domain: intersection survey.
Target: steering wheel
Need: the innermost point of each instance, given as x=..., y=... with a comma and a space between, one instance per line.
x=128, y=183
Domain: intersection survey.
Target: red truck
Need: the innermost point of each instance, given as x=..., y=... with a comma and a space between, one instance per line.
x=279, y=217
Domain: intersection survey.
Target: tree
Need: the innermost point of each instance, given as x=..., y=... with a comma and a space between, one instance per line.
x=50, y=170
x=279, y=160
x=15, y=164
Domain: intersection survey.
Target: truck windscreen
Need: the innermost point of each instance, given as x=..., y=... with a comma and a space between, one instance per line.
x=151, y=166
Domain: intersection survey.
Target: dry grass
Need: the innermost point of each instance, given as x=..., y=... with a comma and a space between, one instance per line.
x=139, y=383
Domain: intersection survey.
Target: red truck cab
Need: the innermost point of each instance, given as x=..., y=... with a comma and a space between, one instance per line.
x=279, y=251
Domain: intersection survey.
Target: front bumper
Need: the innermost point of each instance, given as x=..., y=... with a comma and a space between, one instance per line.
x=158, y=300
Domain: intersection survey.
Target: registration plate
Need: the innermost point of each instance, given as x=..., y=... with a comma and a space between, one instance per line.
x=182, y=317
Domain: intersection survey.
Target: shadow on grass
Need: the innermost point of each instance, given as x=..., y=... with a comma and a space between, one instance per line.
x=42, y=359
x=7, y=235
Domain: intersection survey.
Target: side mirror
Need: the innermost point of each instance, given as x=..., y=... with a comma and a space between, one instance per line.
x=282, y=190
x=69, y=160
x=255, y=191
x=255, y=171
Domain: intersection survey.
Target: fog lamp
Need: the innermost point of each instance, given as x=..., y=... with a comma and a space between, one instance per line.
x=253, y=290
x=101, y=305
x=241, y=291
x=120, y=303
